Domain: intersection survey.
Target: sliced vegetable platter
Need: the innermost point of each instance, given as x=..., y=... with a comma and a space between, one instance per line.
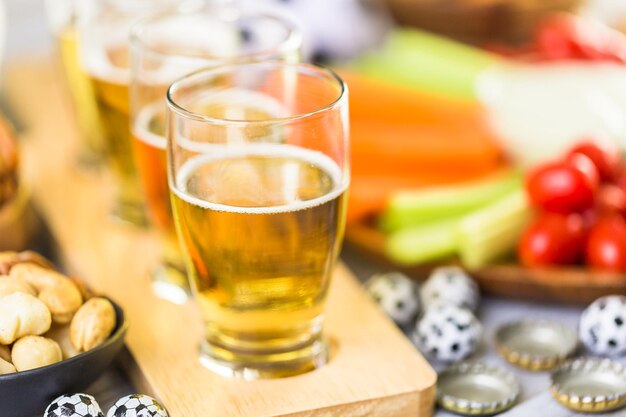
x=510, y=167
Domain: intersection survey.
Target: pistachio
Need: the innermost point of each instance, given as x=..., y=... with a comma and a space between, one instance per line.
x=9, y=259
x=31, y=352
x=58, y=292
x=9, y=285
x=92, y=324
x=6, y=367
x=5, y=353
x=61, y=335
x=21, y=315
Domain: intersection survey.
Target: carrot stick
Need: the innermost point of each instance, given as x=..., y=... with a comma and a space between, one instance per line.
x=384, y=101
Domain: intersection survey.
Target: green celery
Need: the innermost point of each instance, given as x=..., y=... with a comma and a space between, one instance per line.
x=423, y=244
x=414, y=208
x=493, y=231
x=426, y=62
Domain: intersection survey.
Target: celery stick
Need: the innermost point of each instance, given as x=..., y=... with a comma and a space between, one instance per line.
x=423, y=244
x=414, y=208
x=493, y=231
x=426, y=62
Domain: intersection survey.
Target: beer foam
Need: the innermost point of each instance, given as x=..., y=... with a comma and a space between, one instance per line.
x=142, y=121
x=221, y=152
x=98, y=65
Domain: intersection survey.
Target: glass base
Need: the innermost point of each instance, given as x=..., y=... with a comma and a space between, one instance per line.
x=266, y=365
x=170, y=283
x=130, y=213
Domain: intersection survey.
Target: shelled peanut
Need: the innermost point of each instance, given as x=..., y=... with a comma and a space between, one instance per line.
x=45, y=316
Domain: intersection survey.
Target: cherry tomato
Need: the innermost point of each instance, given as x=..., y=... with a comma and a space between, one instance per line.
x=564, y=36
x=553, y=239
x=604, y=155
x=560, y=187
x=585, y=165
x=610, y=199
x=555, y=39
x=606, y=246
x=621, y=182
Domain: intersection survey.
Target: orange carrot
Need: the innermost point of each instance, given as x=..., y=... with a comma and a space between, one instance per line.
x=376, y=100
x=379, y=148
x=403, y=139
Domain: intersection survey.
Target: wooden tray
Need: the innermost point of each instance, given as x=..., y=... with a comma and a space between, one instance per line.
x=564, y=284
x=374, y=371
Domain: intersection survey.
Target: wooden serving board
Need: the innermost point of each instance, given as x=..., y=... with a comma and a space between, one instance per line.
x=570, y=285
x=374, y=370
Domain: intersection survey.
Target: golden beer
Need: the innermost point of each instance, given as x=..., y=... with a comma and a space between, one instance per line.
x=149, y=145
x=109, y=80
x=261, y=227
x=149, y=151
x=81, y=90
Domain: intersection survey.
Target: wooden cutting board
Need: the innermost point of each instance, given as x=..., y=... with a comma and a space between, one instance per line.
x=570, y=285
x=374, y=370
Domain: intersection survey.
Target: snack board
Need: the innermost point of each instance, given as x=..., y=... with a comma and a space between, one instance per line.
x=373, y=370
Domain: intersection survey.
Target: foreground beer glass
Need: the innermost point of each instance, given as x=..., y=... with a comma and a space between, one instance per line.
x=258, y=172
x=104, y=34
x=164, y=47
x=63, y=18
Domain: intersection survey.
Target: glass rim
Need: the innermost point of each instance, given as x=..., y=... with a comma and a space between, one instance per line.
x=300, y=67
x=291, y=43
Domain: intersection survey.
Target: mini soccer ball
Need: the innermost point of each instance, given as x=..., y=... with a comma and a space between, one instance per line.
x=396, y=295
x=602, y=327
x=447, y=333
x=74, y=405
x=450, y=285
x=137, y=405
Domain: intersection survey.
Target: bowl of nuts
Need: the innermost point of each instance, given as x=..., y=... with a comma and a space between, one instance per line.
x=55, y=336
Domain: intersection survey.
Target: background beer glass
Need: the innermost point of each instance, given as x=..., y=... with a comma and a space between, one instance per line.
x=258, y=171
x=63, y=16
x=164, y=47
x=104, y=49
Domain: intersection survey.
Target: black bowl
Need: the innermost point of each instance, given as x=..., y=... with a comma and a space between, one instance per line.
x=28, y=393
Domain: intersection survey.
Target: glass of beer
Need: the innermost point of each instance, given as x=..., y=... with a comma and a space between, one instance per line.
x=63, y=16
x=258, y=168
x=104, y=35
x=164, y=47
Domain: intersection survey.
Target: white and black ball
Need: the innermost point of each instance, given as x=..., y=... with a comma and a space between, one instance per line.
x=448, y=333
x=450, y=285
x=74, y=405
x=396, y=294
x=137, y=405
x=602, y=327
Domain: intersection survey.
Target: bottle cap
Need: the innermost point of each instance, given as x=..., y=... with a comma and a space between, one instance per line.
x=536, y=345
x=590, y=385
x=472, y=388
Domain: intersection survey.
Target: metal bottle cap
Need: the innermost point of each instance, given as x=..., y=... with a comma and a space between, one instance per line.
x=472, y=388
x=536, y=345
x=590, y=385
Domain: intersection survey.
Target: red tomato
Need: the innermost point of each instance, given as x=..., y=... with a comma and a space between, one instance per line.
x=553, y=239
x=585, y=165
x=555, y=39
x=610, y=200
x=560, y=187
x=563, y=36
x=621, y=182
x=606, y=246
x=604, y=155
